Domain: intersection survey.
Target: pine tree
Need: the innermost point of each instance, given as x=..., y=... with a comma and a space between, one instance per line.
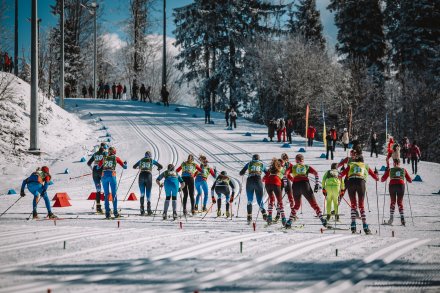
x=306, y=22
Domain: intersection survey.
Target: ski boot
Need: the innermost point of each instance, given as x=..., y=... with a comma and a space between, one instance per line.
x=333, y=212
x=249, y=219
x=277, y=218
x=390, y=221
x=402, y=220
x=294, y=218
x=35, y=215
x=337, y=218
x=185, y=212
x=174, y=215
x=118, y=215
x=193, y=212
x=324, y=223
x=107, y=216
x=149, y=211
x=353, y=227
x=367, y=230
x=269, y=220
x=164, y=216
x=196, y=207
x=288, y=224
x=51, y=216
x=328, y=217
x=219, y=213
x=99, y=209
x=263, y=212
x=142, y=210
x=204, y=209
x=283, y=222
x=227, y=214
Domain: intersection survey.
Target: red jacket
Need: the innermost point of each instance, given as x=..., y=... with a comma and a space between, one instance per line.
x=272, y=179
x=334, y=134
x=415, y=152
x=311, y=132
x=390, y=146
x=395, y=181
x=119, y=89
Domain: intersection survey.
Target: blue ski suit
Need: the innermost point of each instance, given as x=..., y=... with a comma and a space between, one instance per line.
x=37, y=184
x=145, y=178
x=254, y=185
x=96, y=172
x=202, y=184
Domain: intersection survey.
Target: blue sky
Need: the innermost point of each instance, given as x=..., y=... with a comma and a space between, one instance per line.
x=115, y=11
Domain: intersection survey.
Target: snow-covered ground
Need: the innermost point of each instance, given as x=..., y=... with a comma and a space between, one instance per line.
x=150, y=255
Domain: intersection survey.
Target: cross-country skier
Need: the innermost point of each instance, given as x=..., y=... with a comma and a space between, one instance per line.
x=221, y=187
x=272, y=180
x=396, y=188
x=286, y=185
x=201, y=182
x=299, y=175
x=108, y=166
x=188, y=168
x=145, y=166
x=37, y=184
x=97, y=173
x=254, y=185
x=171, y=183
x=332, y=187
x=357, y=173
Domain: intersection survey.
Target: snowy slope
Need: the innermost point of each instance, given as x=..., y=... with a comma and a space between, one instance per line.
x=58, y=130
x=151, y=255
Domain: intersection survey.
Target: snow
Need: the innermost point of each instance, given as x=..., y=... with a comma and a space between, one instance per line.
x=151, y=255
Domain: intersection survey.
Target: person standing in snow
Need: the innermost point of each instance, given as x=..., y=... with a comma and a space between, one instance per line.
x=145, y=166
x=271, y=128
x=356, y=143
x=281, y=131
x=228, y=110
x=90, y=91
x=233, y=118
x=148, y=94
x=108, y=166
x=221, y=187
x=114, y=91
x=396, y=188
x=201, y=182
x=118, y=91
x=107, y=91
x=273, y=180
x=188, y=168
x=311, y=131
x=135, y=89
x=415, y=156
x=334, y=137
x=332, y=188
x=143, y=91
x=84, y=91
x=165, y=94
x=405, y=149
x=345, y=139
x=357, y=173
x=37, y=184
x=207, y=109
x=329, y=146
x=299, y=175
x=171, y=183
x=254, y=185
x=97, y=173
x=124, y=93
x=374, y=144
x=289, y=130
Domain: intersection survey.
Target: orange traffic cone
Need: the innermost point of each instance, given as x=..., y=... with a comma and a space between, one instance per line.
x=61, y=201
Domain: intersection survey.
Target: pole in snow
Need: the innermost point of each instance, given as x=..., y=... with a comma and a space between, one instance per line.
x=164, y=46
x=34, y=142
x=62, y=55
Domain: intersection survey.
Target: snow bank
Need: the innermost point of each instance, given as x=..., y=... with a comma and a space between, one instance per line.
x=58, y=128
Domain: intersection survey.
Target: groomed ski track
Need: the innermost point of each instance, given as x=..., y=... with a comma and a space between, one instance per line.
x=143, y=255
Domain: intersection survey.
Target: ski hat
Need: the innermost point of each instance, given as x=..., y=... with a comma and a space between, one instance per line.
x=223, y=173
x=104, y=145
x=170, y=167
x=45, y=169
x=147, y=154
x=190, y=158
x=256, y=157
x=284, y=156
x=334, y=166
x=112, y=151
x=299, y=158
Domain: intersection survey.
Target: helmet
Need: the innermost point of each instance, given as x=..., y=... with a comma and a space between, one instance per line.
x=299, y=157
x=190, y=158
x=148, y=154
x=45, y=169
x=256, y=157
x=284, y=156
x=170, y=167
x=223, y=173
x=104, y=145
x=112, y=151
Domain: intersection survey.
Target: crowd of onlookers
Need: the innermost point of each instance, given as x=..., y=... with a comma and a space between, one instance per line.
x=281, y=128
x=6, y=62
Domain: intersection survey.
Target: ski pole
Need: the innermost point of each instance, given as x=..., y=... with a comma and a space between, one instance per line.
x=131, y=184
x=11, y=206
x=239, y=198
x=409, y=201
x=36, y=205
x=181, y=201
x=260, y=207
x=368, y=203
x=157, y=204
x=383, y=207
x=377, y=201
x=80, y=176
x=210, y=207
x=346, y=201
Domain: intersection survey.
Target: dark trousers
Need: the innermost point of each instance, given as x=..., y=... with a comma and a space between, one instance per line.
x=414, y=162
x=329, y=149
x=233, y=122
x=345, y=146
x=373, y=150
x=334, y=145
x=227, y=121
x=310, y=142
x=207, y=117
x=188, y=190
x=289, y=136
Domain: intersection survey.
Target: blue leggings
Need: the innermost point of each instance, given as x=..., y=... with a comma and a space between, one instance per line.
x=110, y=182
x=36, y=189
x=254, y=185
x=97, y=180
x=171, y=192
x=202, y=185
x=145, y=183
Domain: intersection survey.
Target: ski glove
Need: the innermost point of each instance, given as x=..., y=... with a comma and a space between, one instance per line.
x=242, y=173
x=342, y=192
x=22, y=193
x=213, y=199
x=316, y=188
x=324, y=192
x=231, y=200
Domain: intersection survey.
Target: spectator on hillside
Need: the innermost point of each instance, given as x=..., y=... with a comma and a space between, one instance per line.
x=107, y=91
x=374, y=144
x=405, y=149
x=7, y=62
x=142, y=91
x=311, y=131
x=329, y=147
x=281, y=130
x=165, y=96
x=11, y=66
x=415, y=156
x=90, y=91
x=228, y=110
x=148, y=94
x=233, y=118
x=289, y=130
x=118, y=91
x=345, y=139
x=207, y=109
x=334, y=137
x=271, y=128
x=135, y=89
x=67, y=91
x=124, y=93
x=84, y=91
x=114, y=91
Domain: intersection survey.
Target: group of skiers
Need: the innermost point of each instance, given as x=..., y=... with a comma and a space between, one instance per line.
x=6, y=62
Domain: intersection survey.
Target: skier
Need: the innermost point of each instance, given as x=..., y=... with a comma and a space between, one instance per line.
x=357, y=173
x=97, y=173
x=311, y=131
x=188, y=168
x=171, y=183
x=286, y=185
x=396, y=188
x=37, y=184
x=254, y=185
x=329, y=147
x=201, y=182
x=221, y=187
x=345, y=138
x=390, y=147
x=298, y=174
x=108, y=166
x=145, y=166
x=272, y=180
x=415, y=156
x=332, y=188
x=374, y=144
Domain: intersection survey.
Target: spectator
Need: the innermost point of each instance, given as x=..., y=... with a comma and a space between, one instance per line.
x=405, y=149
x=124, y=93
x=90, y=91
x=207, y=109
x=334, y=137
x=107, y=91
x=2, y=65
x=118, y=91
x=345, y=139
x=11, y=65
x=7, y=62
x=330, y=146
x=374, y=144
x=227, y=112
x=165, y=96
x=148, y=94
x=289, y=130
x=233, y=118
x=114, y=91
x=143, y=93
x=135, y=89
x=67, y=91
x=311, y=131
x=84, y=91
x=355, y=143
x=281, y=131
x=271, y=128
x=415, y=156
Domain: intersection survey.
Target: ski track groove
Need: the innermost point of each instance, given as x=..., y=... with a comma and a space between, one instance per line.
x=145, y=137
